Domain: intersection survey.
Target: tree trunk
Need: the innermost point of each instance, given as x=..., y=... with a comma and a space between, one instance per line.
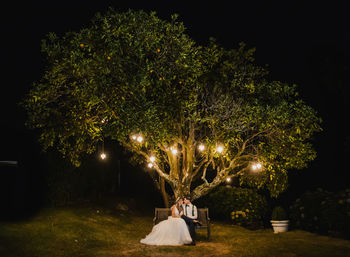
x=181, y=191
x=164, y=193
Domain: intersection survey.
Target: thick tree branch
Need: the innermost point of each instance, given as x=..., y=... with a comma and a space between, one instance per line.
x=205, y=169
x=206, y=187
x=199, y=166
x=167, y=177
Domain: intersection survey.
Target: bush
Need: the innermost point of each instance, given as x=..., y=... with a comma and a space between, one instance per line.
x=323, y=212
x=278, y=213
x=241, y=206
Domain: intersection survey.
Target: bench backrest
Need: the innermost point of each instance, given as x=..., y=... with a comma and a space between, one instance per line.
x=203, y=215
x=161, y=214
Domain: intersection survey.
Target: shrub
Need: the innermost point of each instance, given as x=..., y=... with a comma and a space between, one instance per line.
x=278, y=213
x=241, y=206
x=323, y=212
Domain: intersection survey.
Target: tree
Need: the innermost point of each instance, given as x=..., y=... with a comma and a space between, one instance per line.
x=197, y=115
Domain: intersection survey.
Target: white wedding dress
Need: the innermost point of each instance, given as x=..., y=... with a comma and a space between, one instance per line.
x=172, y=231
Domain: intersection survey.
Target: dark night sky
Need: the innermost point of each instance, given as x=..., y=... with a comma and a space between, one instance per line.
x=303, y=43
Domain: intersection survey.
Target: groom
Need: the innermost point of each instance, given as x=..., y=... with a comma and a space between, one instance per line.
x=189, y=216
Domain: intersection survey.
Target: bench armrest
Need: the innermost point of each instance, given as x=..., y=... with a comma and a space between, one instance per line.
x=207, y=221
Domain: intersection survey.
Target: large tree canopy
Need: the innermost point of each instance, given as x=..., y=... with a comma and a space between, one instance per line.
x=203, y=113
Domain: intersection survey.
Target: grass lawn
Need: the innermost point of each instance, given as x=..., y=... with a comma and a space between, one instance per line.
x=87, y=231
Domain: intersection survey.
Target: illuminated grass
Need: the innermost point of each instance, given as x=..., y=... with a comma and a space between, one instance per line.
x=91, y=232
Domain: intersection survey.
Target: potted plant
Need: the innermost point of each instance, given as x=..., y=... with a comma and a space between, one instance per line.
x=279, y=220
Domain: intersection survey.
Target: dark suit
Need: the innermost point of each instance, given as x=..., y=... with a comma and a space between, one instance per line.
x=191, y=226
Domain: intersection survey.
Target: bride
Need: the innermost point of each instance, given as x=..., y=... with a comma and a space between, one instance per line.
x=172, y=231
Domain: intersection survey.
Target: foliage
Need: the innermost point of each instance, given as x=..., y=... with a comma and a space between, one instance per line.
x=134, y=74
x=242, y=206
x=278, y=213
x=322, y=211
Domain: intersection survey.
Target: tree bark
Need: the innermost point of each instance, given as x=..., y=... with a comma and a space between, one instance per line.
x=181, y=190
x=164, y=193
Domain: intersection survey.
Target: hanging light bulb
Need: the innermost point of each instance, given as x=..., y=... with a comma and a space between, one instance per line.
x=152, y=158
x=139, y=139
x=150, y=165
x=103, y=155
x=219, y=149
x=134, y=137
x=201, y=147
x=228, y=179
x=256, y=166
x=174, y=151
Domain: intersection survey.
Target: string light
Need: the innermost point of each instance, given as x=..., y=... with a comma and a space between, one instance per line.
x=228, y=179
x=152, y=158
x=150, y=165
x=103, y=155
x=201, y=147
x=219, y=149
x=173, y=150
x=134, y=137
x=139, y=139
x=256, y=166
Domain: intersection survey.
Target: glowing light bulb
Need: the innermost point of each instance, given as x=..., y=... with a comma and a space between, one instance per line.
x=150, y=165
x=256, y=166
x=103, y=156
x=228, y=179
x=201, y=147
x=174, y=151
x=220, y=149
x=139, y=139
x=152, y=158
x=134, y=137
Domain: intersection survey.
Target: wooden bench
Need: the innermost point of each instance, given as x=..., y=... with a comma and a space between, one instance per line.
x=161, y=214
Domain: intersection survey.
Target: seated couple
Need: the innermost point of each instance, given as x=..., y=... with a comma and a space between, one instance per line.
x=178, y=229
